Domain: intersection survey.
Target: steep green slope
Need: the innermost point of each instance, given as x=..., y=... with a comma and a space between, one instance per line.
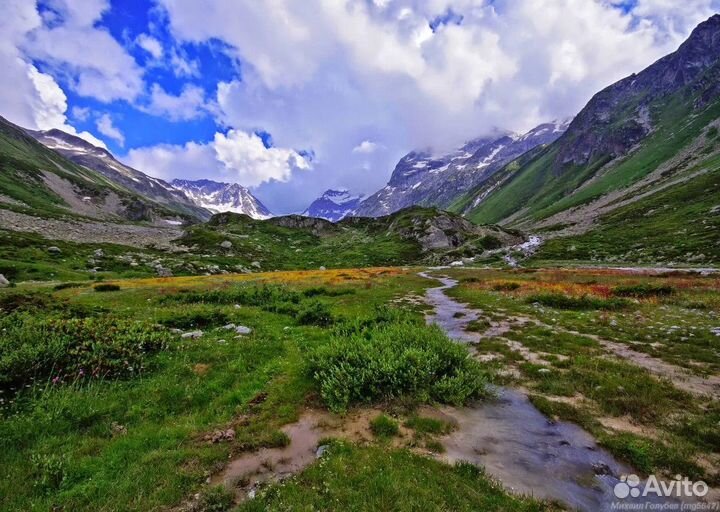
x=651, y=133
x=38, y=181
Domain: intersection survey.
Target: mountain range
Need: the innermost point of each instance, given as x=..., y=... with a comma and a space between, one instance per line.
x=421, y=178
x=635, y=176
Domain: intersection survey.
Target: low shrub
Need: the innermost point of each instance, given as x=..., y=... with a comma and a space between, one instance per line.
x=32, y=350
x=23, y=302
x=383, y=426
x=506, y=287
x=585, y=302
x=315, y=313
x=106, y=287
x=261, y=296
x=403, y=359
x=65, y=286
x=640, y=291
x=327, y=292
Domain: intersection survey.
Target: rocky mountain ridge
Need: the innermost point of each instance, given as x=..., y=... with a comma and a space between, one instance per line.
x=334, y=205
x=222, y=197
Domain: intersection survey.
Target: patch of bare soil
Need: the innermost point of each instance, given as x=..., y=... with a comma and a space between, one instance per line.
x=244, y=474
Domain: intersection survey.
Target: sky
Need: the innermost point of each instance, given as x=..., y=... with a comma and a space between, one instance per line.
x=291, y=98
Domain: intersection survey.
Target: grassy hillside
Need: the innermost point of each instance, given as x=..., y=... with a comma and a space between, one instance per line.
x=24, y=163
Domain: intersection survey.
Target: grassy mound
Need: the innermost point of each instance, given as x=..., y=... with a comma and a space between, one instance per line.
x=403, y=359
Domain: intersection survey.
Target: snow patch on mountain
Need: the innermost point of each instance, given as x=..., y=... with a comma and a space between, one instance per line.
x=221, y=197
x=333, y=205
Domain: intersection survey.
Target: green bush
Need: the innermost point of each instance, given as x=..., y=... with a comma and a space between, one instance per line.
x=403, y=359
x=33, y=350
x=106, y=287
x=261, y=296
x=586, y=302
x=383, y=426
x=65, y=286
x=643, y=290
x=23, y=302
x=506, y=287
x=327, y=292
x=315, y=313
x=199, y=317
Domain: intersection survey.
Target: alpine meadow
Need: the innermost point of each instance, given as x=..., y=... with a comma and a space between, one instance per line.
x=396, y=255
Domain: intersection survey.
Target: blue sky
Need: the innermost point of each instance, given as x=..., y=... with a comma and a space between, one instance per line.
x=291, y=98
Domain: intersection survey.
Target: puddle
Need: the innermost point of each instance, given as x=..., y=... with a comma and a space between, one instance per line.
x=516, y=444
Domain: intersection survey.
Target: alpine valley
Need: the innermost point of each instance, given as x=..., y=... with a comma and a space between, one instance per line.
x=528, y=322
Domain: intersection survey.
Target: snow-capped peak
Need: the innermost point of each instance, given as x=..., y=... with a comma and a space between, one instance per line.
x=333, y=205
x=222, y=197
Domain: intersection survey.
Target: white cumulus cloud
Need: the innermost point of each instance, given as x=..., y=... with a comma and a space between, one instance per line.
x=105, y=126
x=233, y=156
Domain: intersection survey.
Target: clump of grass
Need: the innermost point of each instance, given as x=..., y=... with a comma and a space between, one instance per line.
x=384, y=426
x=506, y=287
x=585, y=302
x=403, y=359
x=640, y=291
x=434, y=446
x=260, y=296
x=425, y=425
x=106, y=287
x=215, y=499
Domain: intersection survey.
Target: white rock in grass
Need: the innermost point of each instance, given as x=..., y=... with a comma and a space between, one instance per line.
x=193, y=335
x=241, y=329
x=3, y=281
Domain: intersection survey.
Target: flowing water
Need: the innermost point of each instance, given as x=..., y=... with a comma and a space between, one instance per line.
x=518, y=445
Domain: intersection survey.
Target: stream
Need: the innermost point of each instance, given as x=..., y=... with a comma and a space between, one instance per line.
x=518, y=445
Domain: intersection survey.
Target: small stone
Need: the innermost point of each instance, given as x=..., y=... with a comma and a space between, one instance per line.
x=322, y=268
x=255, y=264
x=237, y=306
x=193, y=335
x=229, y=326
x=176, y=331
x=99, y=253
x=226, y=244
x=321, y=450
x=601, y=469
x=544, y=370
x=4, y=282
x=241, y=329
x=54, y=250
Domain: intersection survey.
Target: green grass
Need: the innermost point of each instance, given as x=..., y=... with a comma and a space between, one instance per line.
x=383, y=426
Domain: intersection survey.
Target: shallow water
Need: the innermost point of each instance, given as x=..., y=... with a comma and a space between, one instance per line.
x=518, y=445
